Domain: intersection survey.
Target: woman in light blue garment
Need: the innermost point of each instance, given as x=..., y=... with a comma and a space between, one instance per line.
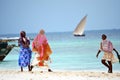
x=25, y=51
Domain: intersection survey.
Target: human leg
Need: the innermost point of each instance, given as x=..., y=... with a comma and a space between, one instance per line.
x=110, y=67
x=21, y=69
x=29, y=68
x=104, y=62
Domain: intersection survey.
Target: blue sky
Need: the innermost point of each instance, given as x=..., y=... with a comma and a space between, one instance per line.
x=57, y=15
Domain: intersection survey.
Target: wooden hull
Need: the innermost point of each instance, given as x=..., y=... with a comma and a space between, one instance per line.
x=4, y=50
x=79, y=35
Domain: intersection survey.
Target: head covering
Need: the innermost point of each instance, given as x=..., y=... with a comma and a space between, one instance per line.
x=42, y=32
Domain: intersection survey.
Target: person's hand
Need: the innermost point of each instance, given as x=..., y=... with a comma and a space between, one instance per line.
x=98, y=53
x=97, y=56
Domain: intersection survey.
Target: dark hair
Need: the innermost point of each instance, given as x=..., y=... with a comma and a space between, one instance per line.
x=104, y=36
x=22, y=34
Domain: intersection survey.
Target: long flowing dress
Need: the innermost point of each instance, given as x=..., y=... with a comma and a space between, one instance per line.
x=24, y=55
x=42, y=49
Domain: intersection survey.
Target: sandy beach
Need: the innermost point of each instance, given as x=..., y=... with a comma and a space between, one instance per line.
x=57, y=75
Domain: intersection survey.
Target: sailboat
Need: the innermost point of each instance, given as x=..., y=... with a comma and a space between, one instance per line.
x=79, y=31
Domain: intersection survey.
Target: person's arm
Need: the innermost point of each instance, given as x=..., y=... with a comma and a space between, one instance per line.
x=117, y=54
x=98, y=53
x=99, y=50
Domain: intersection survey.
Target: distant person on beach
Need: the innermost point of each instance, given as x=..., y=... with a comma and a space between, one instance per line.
x=25, y=51
x=42, y=51
x=108, y=58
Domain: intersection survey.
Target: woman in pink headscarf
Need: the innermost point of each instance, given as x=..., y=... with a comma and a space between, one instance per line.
x=42, y=49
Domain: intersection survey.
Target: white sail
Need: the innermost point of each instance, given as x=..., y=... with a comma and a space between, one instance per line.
x=79, y=31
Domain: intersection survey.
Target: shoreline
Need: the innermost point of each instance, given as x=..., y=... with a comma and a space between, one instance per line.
x=16, y=74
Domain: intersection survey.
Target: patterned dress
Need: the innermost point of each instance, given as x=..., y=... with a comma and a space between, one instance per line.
x=24, y=55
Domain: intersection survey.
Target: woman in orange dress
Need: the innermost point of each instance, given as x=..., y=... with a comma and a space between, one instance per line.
x=42, y=50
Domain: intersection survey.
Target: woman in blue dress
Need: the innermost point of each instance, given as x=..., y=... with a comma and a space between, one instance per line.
x=25, y=51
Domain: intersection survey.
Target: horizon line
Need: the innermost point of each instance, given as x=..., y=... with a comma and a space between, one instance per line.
x=61, y=31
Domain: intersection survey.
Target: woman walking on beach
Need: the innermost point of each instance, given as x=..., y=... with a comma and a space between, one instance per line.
x=25, y=51
x=107, y=47
x=42, y=50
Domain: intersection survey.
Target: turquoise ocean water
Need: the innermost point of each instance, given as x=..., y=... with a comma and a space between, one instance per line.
x=69, y=52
